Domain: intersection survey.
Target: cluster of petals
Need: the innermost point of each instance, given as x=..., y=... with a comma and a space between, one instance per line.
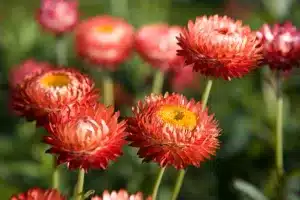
x=173, y=131
x=157, y=44
x=281, y=46
x=85, y=137
x=105, y=41
x=58, y=16
x=39, y=194
x=50, y=91
x=120, y=195
x=26, y=70
x=219, y=46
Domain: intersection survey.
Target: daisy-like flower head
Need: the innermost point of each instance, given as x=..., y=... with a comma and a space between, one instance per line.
x=39, y=194
x=58, y=16
x=120, y=195
x=218, y=46
x=157, y=44
x=173, y=131
x=85, y=137
x=50, y=91
x=104, y=40
x=25, y=70
x=281, y=46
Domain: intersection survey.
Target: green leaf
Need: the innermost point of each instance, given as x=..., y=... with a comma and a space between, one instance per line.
x=272, y=184
x=294, y=173
x=84, y=195
x=238, y=141
x=293, y=184
x=25, y=168
x=88, y=194
x=7, y=190
x=249, y=190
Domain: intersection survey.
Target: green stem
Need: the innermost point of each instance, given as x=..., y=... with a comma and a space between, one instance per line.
x=79, y=185
x=61, y=50
x=158, y=82
x=178, y=184
x=279, y=135
x=157, y=182
x=108, y=89
x=279, y=150
x=181, y=174
x=206, y=93
x=55, y=175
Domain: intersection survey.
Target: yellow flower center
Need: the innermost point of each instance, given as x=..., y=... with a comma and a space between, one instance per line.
x=178, y=116
x=105, y=29
x=55, y=80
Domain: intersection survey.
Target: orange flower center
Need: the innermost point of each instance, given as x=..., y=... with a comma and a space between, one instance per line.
x=55, y=80
x=178, y=116
x=105, y=29
x=223, y=31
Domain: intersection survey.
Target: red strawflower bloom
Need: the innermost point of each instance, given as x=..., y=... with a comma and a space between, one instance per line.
x=157, y=44
x=39, y=194
x=281, y=46
x=86, y=138
x=120, y=195
x=26, y=70
x=50, y=91
x=220, y=47
x=183, y=78
x=58, y=16
x=171, y=130
x=104, y=40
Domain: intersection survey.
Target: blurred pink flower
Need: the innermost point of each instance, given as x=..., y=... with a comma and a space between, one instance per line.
x=183, y=78
x=120, y=195
x=281, y=45
x=25, y=70
x=106, y=41
x=157, y=44
x=58, y=16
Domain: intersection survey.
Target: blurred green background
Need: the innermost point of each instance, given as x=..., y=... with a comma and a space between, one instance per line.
x=243, y=167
